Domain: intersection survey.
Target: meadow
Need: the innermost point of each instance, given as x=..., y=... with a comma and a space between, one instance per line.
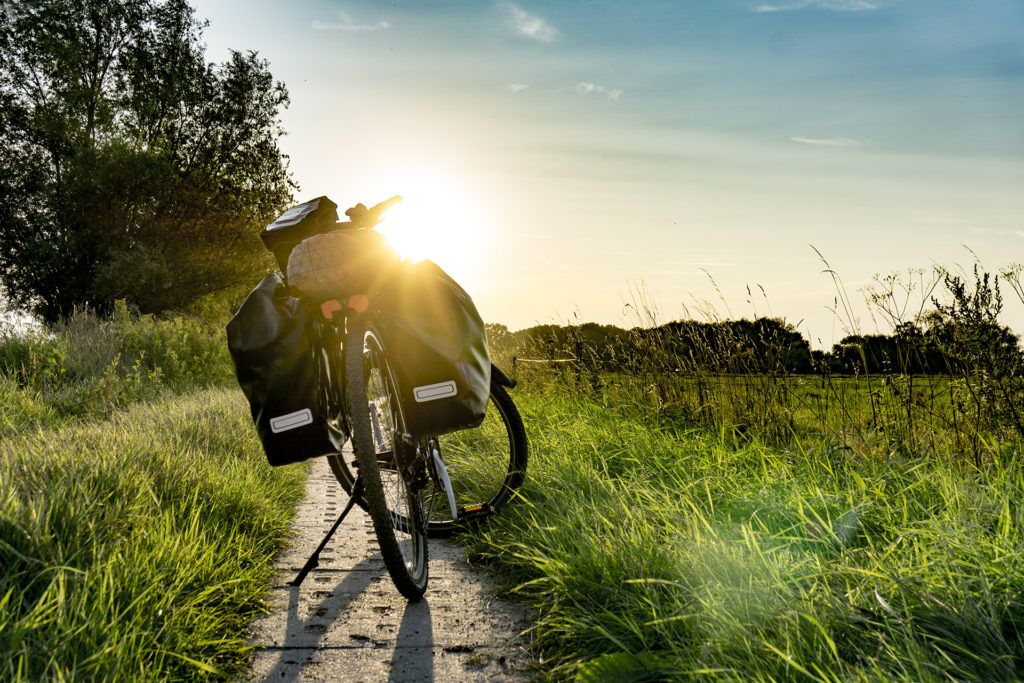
x=680, y=519
x=653, y=551
x=138, y=519
x=714, y=515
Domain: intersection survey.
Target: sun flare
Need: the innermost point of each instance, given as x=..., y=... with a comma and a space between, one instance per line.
x=437, y=220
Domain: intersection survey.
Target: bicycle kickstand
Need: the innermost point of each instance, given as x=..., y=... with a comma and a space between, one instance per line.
x=314, y=559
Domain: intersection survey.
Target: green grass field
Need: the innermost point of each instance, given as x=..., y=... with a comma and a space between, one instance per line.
x=732, y=528
x=936, y=416
x=140, y=547
x=138, y=528
x=657, y=552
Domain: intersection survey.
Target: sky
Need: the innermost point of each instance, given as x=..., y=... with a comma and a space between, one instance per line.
x=596, y=160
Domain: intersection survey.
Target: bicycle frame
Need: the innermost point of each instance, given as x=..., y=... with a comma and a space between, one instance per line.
x=328, y=334
x=363, y=404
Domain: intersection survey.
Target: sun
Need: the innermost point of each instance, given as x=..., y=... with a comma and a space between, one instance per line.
x=438, y=220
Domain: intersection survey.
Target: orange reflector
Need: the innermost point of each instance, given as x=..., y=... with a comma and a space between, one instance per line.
x=358, y=303
x=329, y=308
x=474, y=508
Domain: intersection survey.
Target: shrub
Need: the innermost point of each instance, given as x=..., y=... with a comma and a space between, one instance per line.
x=90, y=365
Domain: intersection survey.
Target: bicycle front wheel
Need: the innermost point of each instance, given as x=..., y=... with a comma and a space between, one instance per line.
x=392, y=471
x=485, y=464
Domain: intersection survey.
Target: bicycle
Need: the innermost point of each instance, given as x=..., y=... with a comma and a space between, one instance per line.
x=412, y=486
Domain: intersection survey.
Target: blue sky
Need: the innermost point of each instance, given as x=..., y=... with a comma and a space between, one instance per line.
x=603, y=147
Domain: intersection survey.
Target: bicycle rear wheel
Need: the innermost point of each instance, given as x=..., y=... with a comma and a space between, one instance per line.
x=393, y=472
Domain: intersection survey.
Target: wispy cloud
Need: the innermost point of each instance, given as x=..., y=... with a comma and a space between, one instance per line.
x=940, y=219
x=826, y=142
x=698, y=265
x=346, y=23
x=833, y=5
x=517, y=87
x=584, y=88
x=529, y=25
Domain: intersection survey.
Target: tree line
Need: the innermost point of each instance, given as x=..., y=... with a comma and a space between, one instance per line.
x=961, y=335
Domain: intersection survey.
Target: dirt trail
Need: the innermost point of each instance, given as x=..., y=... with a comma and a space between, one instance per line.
x=347, y=622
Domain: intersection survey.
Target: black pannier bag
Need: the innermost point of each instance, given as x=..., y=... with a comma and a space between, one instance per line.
x=275, y=367
x=437, y=346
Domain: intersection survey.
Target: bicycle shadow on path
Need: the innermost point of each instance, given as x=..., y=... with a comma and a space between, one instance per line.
x=416, y=627
x=302, y=636
x=412, y=654
x=347, y=622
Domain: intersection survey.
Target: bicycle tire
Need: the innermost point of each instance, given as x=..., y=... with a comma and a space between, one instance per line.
x=505, y=456
x=392, y=497
x=486, y=465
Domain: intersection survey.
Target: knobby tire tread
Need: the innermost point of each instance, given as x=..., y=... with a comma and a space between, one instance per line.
x=373, y=491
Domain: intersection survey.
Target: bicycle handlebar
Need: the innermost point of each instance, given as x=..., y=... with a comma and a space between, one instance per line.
x=361, y=217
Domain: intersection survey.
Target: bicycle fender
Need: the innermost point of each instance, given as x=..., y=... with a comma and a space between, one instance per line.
x=500, y=378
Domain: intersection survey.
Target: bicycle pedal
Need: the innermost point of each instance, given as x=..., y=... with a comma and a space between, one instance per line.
x=476, y=510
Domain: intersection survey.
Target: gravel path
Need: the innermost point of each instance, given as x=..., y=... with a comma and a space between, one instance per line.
x=347, y=622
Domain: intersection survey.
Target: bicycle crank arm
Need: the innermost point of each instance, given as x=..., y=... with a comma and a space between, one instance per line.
x=442, y=474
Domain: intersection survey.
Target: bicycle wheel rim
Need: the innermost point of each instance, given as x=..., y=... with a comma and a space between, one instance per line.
x=393, y=501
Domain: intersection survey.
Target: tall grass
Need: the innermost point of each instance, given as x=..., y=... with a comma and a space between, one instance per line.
x=137, y=529
x=88, y=367
x=948, y=381
x=653, y=552
x=138, y=548
x=703, y=511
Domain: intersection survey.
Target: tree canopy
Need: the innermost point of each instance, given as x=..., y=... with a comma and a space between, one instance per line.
x=133, y=168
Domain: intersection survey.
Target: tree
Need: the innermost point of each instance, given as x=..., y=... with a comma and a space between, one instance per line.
x=968, y=330
x=133, y=168
x=985, y=353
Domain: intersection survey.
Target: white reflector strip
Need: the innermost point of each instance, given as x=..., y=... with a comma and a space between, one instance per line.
x=290, y=421
x=432, y=392
x=288, y=218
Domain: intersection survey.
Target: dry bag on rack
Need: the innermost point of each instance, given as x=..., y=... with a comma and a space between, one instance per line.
x=274, y=364
x=341, y=262
x=437, y=346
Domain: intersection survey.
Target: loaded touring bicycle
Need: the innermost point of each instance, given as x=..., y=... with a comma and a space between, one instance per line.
x=381, y=366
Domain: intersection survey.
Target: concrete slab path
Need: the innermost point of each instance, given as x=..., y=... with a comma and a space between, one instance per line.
x=347, y=622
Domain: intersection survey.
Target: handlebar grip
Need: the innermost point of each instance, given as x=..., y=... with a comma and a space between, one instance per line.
x=386, y=204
